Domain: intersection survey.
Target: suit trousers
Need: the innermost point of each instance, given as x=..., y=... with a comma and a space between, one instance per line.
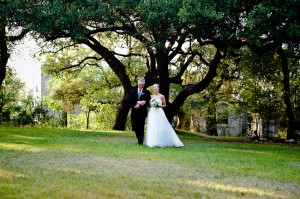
x=138, y=123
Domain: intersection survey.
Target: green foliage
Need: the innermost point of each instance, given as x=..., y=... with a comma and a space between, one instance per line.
x=276, y=20
x=105, y=116
x=222, y=20
x=16, y=105
x=157, y=20
x=90, y=85
x=66, y=92
x=40, y=114
x=20, y=117
x=263, y=88
x=201, y=16
x=100, y=118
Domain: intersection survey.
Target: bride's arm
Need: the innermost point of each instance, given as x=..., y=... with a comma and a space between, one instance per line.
x=163, y=99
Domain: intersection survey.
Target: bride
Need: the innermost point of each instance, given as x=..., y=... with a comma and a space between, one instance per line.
x=159, y=131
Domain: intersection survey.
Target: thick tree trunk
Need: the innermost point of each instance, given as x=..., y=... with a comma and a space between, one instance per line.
x=164, y=81
x=87, y=114
x=4, y=55
x=64, y=118
x=121, y=116
x=120, y=70
x=211, y=118
x=212, y=121
x=287, y=95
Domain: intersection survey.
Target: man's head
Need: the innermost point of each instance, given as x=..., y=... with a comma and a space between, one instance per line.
x=141, y=83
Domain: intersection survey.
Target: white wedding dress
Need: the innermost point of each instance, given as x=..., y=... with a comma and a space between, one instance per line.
x=159, y=131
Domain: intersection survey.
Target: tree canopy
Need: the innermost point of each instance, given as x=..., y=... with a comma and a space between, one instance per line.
x=171, y=33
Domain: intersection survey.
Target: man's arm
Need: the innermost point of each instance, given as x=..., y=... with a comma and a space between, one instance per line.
x=132, y=100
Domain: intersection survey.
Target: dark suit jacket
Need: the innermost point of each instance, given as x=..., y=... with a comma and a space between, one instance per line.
x=133, y=98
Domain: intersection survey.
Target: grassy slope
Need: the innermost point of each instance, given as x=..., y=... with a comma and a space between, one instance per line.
x=55, y=163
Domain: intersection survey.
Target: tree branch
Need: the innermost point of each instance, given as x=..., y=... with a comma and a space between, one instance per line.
x=17, y=37
x=260, y=50
x=177, y=78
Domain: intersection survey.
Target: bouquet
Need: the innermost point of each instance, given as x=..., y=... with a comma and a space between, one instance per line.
x=153, y=103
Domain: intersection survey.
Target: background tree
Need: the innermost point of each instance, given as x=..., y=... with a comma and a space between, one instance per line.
x=16, y=105
x=272, y=26
x=10, y=91
x=66, y=93
x=10, y=32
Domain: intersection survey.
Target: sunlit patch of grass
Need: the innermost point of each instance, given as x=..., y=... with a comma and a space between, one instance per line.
x=10, y=174
x=249, y=151
x=27, y=137
x=23, y=147
x=236, y=189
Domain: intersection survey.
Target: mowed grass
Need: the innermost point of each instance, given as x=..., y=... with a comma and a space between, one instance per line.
x=57, y=163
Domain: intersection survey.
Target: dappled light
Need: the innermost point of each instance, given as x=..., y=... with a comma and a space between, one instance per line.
x=235, y=189
x=22, y=147
x=249, y=151
x=74, y=171
x=27, y=137
x=11, y=174
x=260, y=152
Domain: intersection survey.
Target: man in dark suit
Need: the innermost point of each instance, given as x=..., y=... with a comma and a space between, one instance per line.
x=139, y=100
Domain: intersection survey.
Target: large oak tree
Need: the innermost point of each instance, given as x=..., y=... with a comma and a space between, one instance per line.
x=9, y=32
x=168, y=30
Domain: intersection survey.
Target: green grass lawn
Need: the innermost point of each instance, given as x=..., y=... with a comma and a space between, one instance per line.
x=56, y=163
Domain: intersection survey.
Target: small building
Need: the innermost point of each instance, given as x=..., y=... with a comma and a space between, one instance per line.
x=230, y=122
x=261, y=130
